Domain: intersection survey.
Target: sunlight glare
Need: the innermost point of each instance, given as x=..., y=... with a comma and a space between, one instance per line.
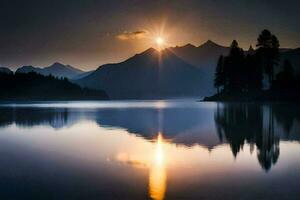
x=159, y=41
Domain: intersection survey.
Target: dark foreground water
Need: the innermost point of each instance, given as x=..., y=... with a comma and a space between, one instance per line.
x=149, y=150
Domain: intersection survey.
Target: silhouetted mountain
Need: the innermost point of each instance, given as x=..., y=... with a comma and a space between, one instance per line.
x=150, y=74
x=33, y=86
x=56, y=69
x=5, y=70
x=28, y=69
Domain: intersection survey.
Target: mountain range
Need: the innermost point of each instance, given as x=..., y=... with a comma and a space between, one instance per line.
x=202, y=56
x=56, y=69
x=185, y=71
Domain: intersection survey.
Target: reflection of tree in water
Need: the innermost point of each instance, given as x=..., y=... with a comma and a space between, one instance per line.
x=240, y=123
x=268, y=144
x=57, y=118
x=6, y=116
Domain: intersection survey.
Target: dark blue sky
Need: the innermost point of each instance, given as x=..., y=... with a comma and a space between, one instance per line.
x=88, y=33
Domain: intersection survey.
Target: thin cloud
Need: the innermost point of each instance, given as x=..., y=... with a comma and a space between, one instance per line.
x=132, y=35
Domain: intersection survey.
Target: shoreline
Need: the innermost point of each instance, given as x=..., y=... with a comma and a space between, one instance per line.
x=256, y=98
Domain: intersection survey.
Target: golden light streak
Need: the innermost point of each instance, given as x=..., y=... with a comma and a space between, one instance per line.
x=158, y=174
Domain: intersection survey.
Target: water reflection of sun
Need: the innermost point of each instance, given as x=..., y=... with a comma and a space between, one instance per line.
x=155, y=163
x=158, y=175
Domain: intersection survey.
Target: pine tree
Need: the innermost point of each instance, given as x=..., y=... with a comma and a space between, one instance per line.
x=234, y=69
x=268, y=50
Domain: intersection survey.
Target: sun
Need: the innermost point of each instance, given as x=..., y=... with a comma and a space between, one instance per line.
x=159, y=41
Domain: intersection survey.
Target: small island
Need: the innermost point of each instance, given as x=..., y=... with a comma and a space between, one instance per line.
x=255, y=75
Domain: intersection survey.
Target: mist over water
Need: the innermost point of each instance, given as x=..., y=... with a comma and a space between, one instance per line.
x=176, y=149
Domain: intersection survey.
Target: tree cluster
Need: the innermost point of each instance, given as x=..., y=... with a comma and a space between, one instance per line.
x=33, y=86
x=243, y=72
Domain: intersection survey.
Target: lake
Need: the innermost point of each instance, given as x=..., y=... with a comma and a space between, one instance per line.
x=149, y=150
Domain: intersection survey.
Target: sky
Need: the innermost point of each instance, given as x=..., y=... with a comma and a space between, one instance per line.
x=89, y=33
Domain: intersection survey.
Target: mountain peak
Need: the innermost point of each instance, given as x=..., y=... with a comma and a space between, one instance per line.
x=188, y=45
x=209, y=43
x=150, y=51
x=57, y=64
x=60, y=66
x=27, y=67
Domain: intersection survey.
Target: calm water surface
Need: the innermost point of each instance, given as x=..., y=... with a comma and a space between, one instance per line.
x=149, y=150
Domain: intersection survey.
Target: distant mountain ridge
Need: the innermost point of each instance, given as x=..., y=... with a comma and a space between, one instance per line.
x=206, y=55
x=201, y=56
x=56, y=69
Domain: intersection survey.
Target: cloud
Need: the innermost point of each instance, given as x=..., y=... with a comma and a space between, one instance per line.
x=132, y=35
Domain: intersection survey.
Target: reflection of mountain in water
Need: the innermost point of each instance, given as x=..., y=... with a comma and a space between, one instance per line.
x=236, y=124
x=183, y=125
